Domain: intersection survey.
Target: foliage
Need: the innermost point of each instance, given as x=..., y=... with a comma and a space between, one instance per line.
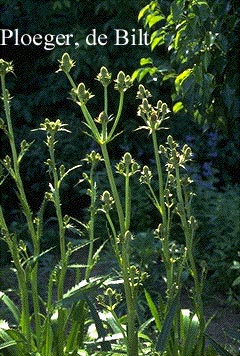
x=200, y=56
x=219, y=238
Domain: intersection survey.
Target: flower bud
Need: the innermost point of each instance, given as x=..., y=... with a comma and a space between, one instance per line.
x=102, y=118
x=146, y=175
x=143, y=93
x=62, y=170
x=123, y=82
x=5, y=67
x=146, y=106
x=66, y=63
x=82, y=94
x=127, y=159
x=104, y=77
x=93, y=158
x=170, y=140
x=135, y=167
x=162, y=150
x=7, y=162
x=109, y=292
x=24, y=145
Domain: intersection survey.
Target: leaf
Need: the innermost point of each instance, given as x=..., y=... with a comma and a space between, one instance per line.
x=189, y=325
x=80, y=291
x=236, y=282
x=156, y=42
x=144, y=61
x=106, y=346
x=167, y=325
x=151, y=20
x=15, y=341
x=178, y=106
x=11, y=306
x=143, y=11
x=7, y=344
x=182, y=77
x=217, y=347
x=153, y=310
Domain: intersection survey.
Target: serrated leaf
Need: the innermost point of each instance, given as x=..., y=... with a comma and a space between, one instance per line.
x=80, y=292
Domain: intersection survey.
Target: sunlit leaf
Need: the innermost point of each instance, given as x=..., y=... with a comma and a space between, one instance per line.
x=144, y=61
x=178, y=106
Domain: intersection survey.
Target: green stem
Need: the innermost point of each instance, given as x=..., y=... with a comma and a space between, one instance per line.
x=106, y=100
x=132, y=331
x=189, y=237
x=120, y=106
x=21, y=276
x=114, y=240
x=86, y=113
x=61, y=227
x=165, y=222
x=25, y=207
x=91, y=224
x=132, y=334
x=127, y=200
x=160, y=178
x=114, y=189
x=63, y=263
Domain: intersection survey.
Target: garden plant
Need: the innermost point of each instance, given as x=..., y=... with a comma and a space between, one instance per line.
x=99, y=315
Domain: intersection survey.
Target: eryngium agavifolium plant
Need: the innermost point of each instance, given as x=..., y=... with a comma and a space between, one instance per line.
x=85, y=319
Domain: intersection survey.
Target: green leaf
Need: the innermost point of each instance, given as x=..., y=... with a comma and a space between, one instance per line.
x=106, y=346
x=80, y=291
x=11, y=306
x=182, y=77
x=156, y=42
x=7, y=344
x=236, y=282
x=153, y=310
x=167, y=325
x=178, y=106
x=140, y=73
x=143, y=11
x=221, y=351
x=144, y=61
x=151, y=20
x=14, y=340
x=189, y=326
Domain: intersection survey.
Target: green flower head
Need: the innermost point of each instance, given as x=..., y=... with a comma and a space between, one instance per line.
x=5, y=67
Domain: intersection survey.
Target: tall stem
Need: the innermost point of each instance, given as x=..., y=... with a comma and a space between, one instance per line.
x=91, y=224
x=188, y=237
x=61, y=227
x=165, y=222
x=132, y=334
x=113, y=188
x=25, y=207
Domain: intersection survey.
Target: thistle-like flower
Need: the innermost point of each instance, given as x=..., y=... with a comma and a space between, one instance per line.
x=66, y=63
x=104, y=77
x=5, y=67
